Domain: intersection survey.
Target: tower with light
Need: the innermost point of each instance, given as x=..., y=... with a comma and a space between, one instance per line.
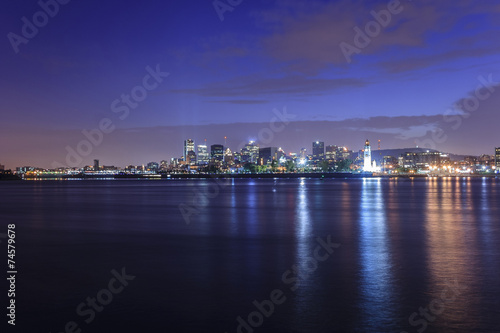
x=367, y=157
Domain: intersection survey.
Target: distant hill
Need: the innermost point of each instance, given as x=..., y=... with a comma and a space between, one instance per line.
x=378, y=155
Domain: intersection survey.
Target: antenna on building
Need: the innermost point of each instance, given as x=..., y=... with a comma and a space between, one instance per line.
x=225, y=139
x=378, y=144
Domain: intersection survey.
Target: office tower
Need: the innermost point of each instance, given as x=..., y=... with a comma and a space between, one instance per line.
x=188, y=146
x=228, y=156
x=96, y=165
x=2, y=167
x=367, y=166
x=497, y=157
x=303, y=153
x=250, y=153
x=153, y=166
x=331, y=152
x=203, y=156
x=318, y=150
x=217, y=152
x=268, y=154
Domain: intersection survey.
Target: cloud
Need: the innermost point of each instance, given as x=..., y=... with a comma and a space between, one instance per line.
x=240, y=101
x=307, y=36
x=296, y=85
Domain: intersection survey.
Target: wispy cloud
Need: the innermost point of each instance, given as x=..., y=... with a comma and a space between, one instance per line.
x=296, y=85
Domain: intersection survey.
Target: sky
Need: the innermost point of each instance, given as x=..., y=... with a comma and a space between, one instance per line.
x=141, y=77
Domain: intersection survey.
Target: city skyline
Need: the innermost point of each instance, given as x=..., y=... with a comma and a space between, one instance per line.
x=426, y=72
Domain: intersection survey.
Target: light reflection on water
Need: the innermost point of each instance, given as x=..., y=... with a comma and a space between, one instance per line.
x=404, y=241
x=377, y=283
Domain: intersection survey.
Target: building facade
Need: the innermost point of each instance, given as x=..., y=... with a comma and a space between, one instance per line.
x=217, y=152
x=497, y=157
x=268, y=154
x=188, y=146
x=318, y=150
x=367, y=157
x=203, y=156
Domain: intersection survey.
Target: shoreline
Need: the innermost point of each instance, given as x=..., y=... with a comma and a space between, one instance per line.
x=318, y=175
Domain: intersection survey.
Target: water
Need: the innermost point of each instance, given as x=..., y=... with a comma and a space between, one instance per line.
x=404, y=246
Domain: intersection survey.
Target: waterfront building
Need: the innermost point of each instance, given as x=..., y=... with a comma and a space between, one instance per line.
x=331, y=152
x=367, y=155
x=497, y=157
x=203, y=156
x=217, y=152
x=96, y=165
x=188, y=146
x=268, y=154
x=191, y=157
x=250, y=153
x=318, y=150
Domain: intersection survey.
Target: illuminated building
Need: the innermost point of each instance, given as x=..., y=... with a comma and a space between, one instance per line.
x=217, y=152
x=250, y=153
x=96, y=165
x=367, y=154
x=318, y=150
x=268, y=154
x=228, y=156
x=188, y=146
x=203, y=156
x=497, y=157
x=331, y=152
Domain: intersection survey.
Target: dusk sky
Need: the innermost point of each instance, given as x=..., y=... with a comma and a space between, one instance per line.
x=230, y=68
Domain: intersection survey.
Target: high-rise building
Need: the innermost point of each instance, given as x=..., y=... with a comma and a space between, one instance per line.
x=318, y=150
x=250, y=153
x=268, y=154
x=188, y=146
x=2, y=167
x=228, y=156
x=497, y=157
x=96, y=165
x=217, y=152
x=203, y=156
x=153, y=166
x=367, y=154
x=331, y=152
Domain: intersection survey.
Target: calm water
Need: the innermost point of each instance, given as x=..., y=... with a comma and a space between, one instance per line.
x=413, y=255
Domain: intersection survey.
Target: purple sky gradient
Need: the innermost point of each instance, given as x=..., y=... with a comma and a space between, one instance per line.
x=226, y=77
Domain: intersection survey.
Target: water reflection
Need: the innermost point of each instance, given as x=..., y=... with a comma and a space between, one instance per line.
x=449, y=219
x=375, y=259
x=303, y=238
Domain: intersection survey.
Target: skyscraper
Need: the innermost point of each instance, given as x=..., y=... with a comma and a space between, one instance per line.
x=203, y=156
x=217, y=152
x=268, y=154
x=318, y=150
x=188, y=146
x=497, y=157
x=331, y=152
x=367, y=166
x=96, y=165
x=250, y=153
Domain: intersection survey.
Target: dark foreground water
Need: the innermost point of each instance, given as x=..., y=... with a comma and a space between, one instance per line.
x=394, y=255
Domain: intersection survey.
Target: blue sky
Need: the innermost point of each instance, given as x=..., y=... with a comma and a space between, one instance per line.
x=263, y=55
